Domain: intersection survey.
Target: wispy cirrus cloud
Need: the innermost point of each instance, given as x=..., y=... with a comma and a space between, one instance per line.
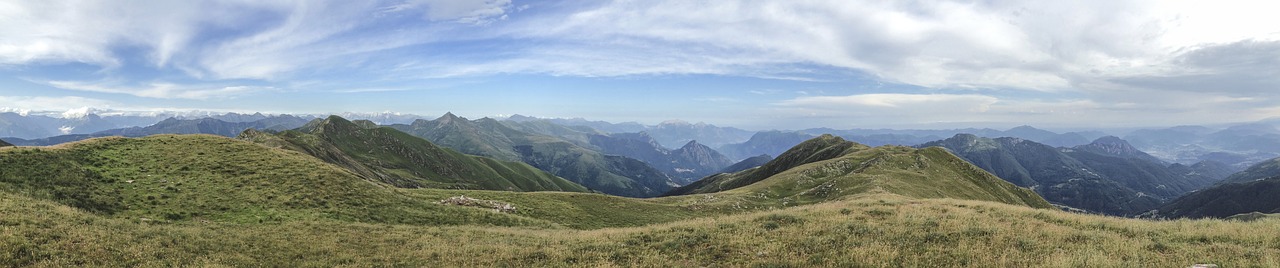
x=161, y=90
x=1169, y=57
x=43, y=103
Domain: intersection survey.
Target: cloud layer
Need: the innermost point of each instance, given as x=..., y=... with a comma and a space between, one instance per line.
x=961, y=60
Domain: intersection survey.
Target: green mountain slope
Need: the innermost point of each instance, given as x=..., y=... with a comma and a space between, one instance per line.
x=828, y=167
x=1109, y=184
x=3, y=143
x=1227, y=199
x=1261, y=170
x=396, y=158
x=749, y=163
x=204, y=177
x=1115, y=147
x=1153, y=178
x=611, y=174
x=184, y=179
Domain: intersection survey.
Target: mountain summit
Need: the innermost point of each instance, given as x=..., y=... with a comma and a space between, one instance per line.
x=1114, y=146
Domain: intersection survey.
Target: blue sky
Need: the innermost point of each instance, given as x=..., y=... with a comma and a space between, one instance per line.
x=752, y=64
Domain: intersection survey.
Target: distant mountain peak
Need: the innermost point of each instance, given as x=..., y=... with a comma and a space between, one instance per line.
x=1113, y=141
x=449, y=117
x=674, y=122
x=78, y=112
x=964, y=136
x=692, y=144
x=521, y=118
x=1114, y=146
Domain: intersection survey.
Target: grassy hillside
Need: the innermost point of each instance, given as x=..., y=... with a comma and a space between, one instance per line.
x=828, y=167
x=204, y=178
x=868, y=231
x=3, y=143
x=393, y=157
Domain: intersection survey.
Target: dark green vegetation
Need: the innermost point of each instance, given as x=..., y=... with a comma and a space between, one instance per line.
x=828, y=167
x=1251, y=191
x=3, y=143
x=1261, y=170
x=1119, y=182
x=612, y=174
x=387, y=155
x=1226, y=199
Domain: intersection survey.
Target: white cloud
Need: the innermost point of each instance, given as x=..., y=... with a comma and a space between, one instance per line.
x=969, y=110
x=28, y=104
x=976, y=102
x=161, y=90
x=466, y=11
x=1078, y=56
x=1042, y=46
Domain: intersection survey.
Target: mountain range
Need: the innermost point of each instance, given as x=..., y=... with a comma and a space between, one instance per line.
x=1226, y=200
x=828, y=167
x=33, y=126
x=685, y=164
x=1106, y=176
x=612, y=174
x=178, y=126
x=1238, y=145
x=670, y=134
x=1253, y=190
x=770, y=143
x=336, y=192
x=396, y=158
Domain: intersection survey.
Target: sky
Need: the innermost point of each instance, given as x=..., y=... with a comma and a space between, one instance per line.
x=752, y=64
